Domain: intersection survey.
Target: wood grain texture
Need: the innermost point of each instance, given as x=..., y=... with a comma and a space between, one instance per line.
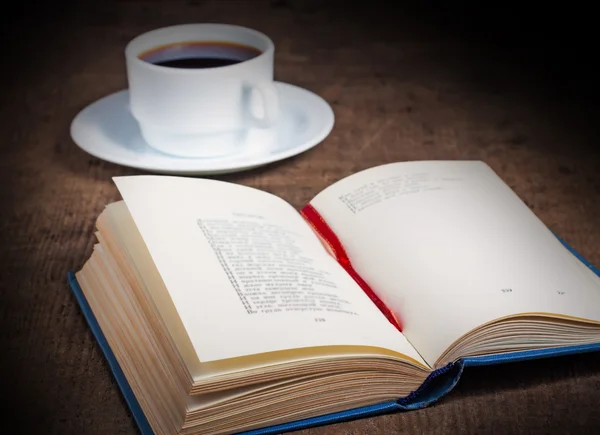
x=403, y=87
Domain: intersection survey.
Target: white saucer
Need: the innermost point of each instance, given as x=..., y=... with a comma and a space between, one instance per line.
x=107, y=130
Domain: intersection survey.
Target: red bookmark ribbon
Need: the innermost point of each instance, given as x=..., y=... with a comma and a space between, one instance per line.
x=317, y=222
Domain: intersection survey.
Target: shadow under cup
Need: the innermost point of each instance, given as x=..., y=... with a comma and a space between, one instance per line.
x=191, y=87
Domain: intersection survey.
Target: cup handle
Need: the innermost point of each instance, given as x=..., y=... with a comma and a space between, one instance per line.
x=270, y=104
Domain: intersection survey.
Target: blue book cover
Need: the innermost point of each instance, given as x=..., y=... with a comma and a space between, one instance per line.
x=438, y=383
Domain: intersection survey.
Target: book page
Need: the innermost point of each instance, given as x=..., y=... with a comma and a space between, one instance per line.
x=246, y=273
x=449, y=246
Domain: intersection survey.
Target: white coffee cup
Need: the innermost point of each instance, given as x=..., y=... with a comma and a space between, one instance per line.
x=195, y=112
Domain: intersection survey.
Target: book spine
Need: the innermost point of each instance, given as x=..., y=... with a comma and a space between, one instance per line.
x=316, y=221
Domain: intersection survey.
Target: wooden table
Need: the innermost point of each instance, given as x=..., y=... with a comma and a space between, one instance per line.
x=401, y=89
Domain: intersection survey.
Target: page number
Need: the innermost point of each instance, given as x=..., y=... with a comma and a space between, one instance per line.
x=506, y=290
x=319, y=319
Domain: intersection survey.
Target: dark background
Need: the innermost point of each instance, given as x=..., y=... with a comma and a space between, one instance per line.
x=552, y=41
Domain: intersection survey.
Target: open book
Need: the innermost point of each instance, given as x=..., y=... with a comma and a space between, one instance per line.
x=227, y=310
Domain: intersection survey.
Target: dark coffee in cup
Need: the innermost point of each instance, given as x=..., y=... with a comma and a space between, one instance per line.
x=199, y=54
